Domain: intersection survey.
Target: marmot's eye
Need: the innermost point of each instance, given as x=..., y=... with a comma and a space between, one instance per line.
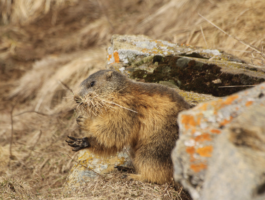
x=92, y=83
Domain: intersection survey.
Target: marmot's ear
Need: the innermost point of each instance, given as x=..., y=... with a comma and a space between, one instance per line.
x=109, y=75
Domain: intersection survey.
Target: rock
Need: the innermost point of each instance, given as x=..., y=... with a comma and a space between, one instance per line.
x=237, y=166
x=218, y=145
x=131, y=55
x=90, y=166
x=201, y=70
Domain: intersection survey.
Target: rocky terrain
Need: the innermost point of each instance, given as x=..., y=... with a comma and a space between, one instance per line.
x=48, y=47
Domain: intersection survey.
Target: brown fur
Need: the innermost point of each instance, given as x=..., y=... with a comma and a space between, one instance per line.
x=118, y=112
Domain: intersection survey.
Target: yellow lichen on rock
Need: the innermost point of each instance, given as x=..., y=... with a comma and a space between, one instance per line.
x=89, y=166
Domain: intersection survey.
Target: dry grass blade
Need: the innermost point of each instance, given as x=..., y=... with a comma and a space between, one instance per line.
x=33, y=147
x=234, y=37
x=85, y=166
x=110, y=102
x=204, y=37
x=11, y=136
x=32, y=111
x=67, y=87
x=236, y=86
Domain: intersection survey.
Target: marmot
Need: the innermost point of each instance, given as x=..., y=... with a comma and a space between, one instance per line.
x=119, y=112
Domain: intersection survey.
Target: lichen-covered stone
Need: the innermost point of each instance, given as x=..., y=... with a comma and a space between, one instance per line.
x=127, y=48
x=236, y=169
x=199, y=128
x=190, y=68
x=90, y=165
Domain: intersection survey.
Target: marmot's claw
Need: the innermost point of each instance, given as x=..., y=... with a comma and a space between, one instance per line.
x=78, y=99
x=72, y=138
x=76, y=149
x=125, y=169
x=79, y=119
x=72, y=144
x=78, y=143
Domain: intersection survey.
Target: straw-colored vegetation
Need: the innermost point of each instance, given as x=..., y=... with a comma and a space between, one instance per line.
x=47, y=44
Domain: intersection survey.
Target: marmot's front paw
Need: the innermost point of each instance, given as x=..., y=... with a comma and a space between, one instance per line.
x=78, y=143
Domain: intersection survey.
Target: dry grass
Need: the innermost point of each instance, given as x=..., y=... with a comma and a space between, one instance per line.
x=111, y=186
x=46, y=42
x=115, y=186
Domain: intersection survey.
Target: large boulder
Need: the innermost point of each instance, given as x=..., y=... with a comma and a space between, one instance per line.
x=201, y=70
x=221, y=150
x=237, y=166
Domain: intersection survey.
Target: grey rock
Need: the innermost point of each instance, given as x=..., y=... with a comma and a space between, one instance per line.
x=190, y=68
x=207, y=161
x=89, y=166
x=237, y=166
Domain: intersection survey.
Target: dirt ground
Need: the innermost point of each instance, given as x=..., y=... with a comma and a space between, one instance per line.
x=47, y=44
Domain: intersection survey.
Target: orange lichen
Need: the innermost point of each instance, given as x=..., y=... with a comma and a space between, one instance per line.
x=203, y=107
x=217, y=105
x=190, y=150
x=198, y=167
x=193, y=130
x=109, y=57
x=159, y=43
x=216, y=131
x=205, y=151
x=230, y=99
x=188, y=120
x=224, y=122
x=249, y=103
x=116, y=57
x=198, y=121
x=203, y=137
x=220, y=103
x=192, y=159
x=144, y=50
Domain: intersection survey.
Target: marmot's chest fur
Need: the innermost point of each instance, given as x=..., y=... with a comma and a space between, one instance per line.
x=117, y=112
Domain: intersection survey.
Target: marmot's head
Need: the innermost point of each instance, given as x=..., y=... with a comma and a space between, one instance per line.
x=103, y=82
x=97, y=91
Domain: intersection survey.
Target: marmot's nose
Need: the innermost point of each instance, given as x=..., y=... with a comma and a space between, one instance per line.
x=82, y=93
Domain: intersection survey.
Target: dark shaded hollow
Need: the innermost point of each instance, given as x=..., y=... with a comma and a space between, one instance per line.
x=197, y=77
